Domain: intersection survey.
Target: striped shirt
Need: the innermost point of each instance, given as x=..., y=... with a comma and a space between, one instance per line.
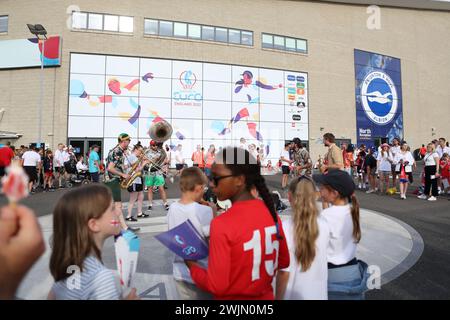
x=96, y=282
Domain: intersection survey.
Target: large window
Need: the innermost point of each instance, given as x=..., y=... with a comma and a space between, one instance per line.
x=198, y=32
x=102, y=22
x=3, y=24
x=271, y=41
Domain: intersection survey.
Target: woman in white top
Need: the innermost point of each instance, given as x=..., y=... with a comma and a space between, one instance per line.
x=136, y=189
x=395, y=148
x=80, y=165
x=404, y=160
x=307, y=236
x=347, y=276
x=384, y=163
x=285, y=163
x=431, y=161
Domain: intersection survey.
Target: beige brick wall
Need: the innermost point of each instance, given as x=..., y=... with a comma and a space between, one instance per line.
x=418, y=38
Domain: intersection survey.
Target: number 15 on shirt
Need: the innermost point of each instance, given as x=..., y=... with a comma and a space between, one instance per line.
x=255, y=245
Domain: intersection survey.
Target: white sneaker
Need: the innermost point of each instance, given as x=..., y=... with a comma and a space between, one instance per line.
x=403, y=196
x=359, y=186
x=423, y=197
x=370, y=191
x=432, y=198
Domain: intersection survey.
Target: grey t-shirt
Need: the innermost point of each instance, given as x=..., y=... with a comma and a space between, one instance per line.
x=96, y=283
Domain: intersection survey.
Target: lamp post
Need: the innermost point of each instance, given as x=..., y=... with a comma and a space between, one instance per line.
x=41, y=34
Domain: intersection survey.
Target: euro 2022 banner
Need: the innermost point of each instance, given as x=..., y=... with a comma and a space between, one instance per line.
x=379, y=109
x=207, y=104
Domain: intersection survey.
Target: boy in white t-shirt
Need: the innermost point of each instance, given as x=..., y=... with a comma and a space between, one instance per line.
x=192, y=185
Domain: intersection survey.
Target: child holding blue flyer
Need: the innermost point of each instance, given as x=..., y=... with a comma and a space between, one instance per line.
x=82, y=220
x=192, y=185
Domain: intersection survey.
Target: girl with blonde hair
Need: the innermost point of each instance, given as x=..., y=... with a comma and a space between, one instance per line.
x=307, y=236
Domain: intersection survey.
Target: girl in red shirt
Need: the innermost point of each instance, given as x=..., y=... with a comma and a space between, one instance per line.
x=247, y=242
x=445, y=171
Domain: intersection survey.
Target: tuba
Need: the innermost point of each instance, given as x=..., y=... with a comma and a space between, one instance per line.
x=160, y=131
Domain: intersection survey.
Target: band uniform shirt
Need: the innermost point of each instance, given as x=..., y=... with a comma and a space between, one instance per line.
x=301, y=157
x=155, y=155
x=129, y=161
x=116, y=156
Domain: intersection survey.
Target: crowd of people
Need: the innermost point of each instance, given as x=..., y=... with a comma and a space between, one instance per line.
x=48, y=170
x=250, y=248
x=252, y=253
x=387, y=169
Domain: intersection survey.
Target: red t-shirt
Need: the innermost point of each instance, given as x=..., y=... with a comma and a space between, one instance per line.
x=445, y=169
x=423, y=151
x=6, y=155
x=244, y=253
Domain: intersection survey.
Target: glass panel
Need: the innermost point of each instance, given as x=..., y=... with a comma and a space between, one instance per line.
x=195, y=31
x=278, y=42
x=95, y=21
x=234, y=36
x=150, y=26
x=166, y=28
x=180, y=29
x=301, y=45
x=207, y=33
x=267, y=41
x=221, y=34
x=290, y=44
x=126, y=24
x=79, y=20
x=247, y=38
x=111, y=23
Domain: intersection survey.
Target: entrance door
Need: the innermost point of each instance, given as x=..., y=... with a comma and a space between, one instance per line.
x=378, y=141
x=81, y=146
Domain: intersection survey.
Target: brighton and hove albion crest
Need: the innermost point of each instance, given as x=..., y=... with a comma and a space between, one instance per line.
x=379, y=97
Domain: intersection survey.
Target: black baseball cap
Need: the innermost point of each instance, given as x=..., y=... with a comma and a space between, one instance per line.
x=338, y=180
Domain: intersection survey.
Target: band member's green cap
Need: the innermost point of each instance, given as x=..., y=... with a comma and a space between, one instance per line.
x=123, y=137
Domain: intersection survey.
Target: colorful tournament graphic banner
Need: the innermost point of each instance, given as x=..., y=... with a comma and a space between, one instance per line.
x=205, y=103
x=379, y=109
x=26, y=53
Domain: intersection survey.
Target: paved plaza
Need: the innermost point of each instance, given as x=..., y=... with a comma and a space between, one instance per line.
x=406, y=240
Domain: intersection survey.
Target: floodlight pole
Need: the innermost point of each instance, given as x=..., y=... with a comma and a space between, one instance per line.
x=41, y=95
x=38, y=30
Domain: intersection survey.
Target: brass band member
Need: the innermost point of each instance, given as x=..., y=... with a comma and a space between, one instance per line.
x=154, y=176
x=136, y=189
x=115, y=172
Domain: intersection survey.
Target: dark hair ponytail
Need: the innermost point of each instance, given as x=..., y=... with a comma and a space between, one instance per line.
x=355, y=218
x=241, y=162
x=260, y=184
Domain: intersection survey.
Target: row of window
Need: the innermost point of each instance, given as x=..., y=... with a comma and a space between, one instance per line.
x=102, y=22
x=3, y=24
x=125, y=24
x=183, y=30
x=197, y=32
x=272, y=41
